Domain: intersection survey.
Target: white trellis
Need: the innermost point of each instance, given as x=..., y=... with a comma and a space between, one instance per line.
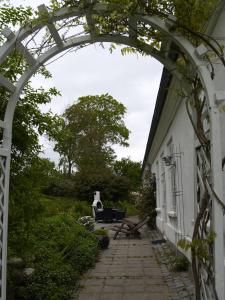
x=60, y=44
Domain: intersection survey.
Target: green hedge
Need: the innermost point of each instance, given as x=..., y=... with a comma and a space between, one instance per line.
x=61, y=251
x=64, y=205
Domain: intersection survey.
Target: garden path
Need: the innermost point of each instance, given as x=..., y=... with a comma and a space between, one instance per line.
x=130, y=269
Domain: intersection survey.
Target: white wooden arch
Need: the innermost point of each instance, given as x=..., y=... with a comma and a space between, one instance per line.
x=14, y=40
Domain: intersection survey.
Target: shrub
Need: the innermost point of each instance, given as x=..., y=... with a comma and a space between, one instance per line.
x=82, y=208
x=179, y=263
x=88, y=222
x=101, y=231
x=129, y=207
x=64, y=205
x=147, y=200
x=61, y=251
x=53, y=278
x=60, y=186
x=103, y=238
x=112, y=187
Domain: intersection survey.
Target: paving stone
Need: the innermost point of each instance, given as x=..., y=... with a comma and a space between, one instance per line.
x=114, y=281
x=135, y=288
x=92, y=281
x=89, y=297
x=135, y=269
x=144, y=296
x=112, y=289
x=107, y=296
x=92, y=289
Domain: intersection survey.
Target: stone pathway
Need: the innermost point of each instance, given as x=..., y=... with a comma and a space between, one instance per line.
x=129, y=269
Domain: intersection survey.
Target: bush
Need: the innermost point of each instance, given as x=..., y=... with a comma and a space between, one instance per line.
x=103, y=238
x=101, y=231
x=147, y=200
x=82, y=208
x=64, y=205
x=60, y=186
x=61, y=250
x=112, y=187
x=179, y=263
x=88, y=222
x=129, y=207
x=53, y=278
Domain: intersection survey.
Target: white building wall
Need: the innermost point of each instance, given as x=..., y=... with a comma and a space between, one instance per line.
x=175, y=223
x=218, y=32
x=174, y=125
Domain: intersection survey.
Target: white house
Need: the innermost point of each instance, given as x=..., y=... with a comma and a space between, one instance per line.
x=171, y=154
x=175, y=156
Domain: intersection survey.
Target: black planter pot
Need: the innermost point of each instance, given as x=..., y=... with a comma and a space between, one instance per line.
x=103, y=241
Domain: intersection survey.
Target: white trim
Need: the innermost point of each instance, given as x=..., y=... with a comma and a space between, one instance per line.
x=172, y=214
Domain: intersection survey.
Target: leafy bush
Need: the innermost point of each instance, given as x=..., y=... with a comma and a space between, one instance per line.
x=61, y=250
x=147, y=200
x=101, y=231
x=61, y=186
x=179, y=263
x=82, y=208
x=112, y=187
x=128, y=206
x=53, y=278
x=64, y=205
x=103, y=238
x=88, y=222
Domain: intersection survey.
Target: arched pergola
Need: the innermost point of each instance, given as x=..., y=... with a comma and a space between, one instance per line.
x=60, y=44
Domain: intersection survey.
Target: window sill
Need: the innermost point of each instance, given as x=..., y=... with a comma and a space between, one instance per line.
x=172, y=214
x=188, y=238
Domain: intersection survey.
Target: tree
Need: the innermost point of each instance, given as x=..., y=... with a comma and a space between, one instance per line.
x=129, y=169
x=192, y=17
x=28, y=172
x=29, y=121
x=91, y=126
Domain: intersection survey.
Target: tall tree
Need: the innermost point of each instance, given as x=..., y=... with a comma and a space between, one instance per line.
x=91, y=126
x=129, y=169
x=27, y=169
x=29, y=121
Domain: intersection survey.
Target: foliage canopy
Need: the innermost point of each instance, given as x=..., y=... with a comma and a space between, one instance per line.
x=91, y=126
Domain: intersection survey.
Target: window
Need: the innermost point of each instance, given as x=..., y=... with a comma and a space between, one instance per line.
x=172, y=173
x=163, y=188
x=157, y=184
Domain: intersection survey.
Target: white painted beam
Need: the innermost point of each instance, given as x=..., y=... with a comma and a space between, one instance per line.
x=51, y=27
x=4, y=152
x=171, y=22
x=24, y=51
x=7, y=84
x=8, y=33
x=165, y=47
x=201, y=50
x=219, y=96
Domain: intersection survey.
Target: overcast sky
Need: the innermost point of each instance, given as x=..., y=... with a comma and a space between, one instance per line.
x=132, y=80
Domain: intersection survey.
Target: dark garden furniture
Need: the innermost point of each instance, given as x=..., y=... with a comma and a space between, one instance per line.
x=109, y=215
x=129, y=227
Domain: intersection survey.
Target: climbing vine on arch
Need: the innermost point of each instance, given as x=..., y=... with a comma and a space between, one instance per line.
x=119, y=18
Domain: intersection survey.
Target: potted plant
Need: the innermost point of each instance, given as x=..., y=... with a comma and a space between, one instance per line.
x=103, y=238
x=88, y=222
